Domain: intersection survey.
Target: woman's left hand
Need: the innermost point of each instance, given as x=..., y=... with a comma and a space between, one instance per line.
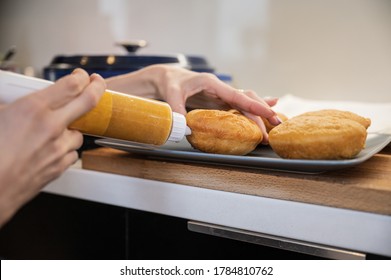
x=183, y=88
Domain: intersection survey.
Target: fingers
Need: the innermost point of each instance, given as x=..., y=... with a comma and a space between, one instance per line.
x=64, y=154
x=243, y=100
x=55, y=157
x=253, y=106
x=83, y=102
x=67, y=141
x=57, y=168
x=261, y=124
x=72, y=140
x=65, y=89
x=267, y=102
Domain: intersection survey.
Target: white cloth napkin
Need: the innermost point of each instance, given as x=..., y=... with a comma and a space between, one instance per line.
x=379, y=113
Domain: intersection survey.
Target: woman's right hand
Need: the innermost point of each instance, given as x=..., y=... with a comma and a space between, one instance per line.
x=35, y=144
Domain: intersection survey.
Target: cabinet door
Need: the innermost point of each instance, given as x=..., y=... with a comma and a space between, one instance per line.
x=58, y=227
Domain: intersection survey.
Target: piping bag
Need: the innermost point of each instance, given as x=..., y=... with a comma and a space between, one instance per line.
x=117, y=115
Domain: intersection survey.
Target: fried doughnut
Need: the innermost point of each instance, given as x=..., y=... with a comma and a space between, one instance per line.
x=340, y=114
x=222, y=132
x=269, y=126
x=318, y=136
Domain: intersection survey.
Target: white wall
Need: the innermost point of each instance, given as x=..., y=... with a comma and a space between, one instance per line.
x=335, y=49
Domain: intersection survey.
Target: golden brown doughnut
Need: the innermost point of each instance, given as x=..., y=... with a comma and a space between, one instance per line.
x=318, y=136
x=222, y=132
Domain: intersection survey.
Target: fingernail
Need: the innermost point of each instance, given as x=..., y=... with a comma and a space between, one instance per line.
x=96, y=75
x=270, y=97
x=75, y=71
x=275, y=120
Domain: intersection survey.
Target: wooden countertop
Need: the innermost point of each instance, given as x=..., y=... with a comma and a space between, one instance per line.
x=366, y=187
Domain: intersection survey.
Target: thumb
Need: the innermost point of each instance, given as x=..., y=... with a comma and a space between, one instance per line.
x=179, y=108
x=177, y=103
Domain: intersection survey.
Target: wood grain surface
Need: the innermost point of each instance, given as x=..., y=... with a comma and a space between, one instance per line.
x=366, y=187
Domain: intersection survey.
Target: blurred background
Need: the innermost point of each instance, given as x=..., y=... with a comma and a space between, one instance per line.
x=334, y=50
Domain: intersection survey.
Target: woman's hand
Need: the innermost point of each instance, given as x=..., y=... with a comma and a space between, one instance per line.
x=182, y=88
x=36, y=145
